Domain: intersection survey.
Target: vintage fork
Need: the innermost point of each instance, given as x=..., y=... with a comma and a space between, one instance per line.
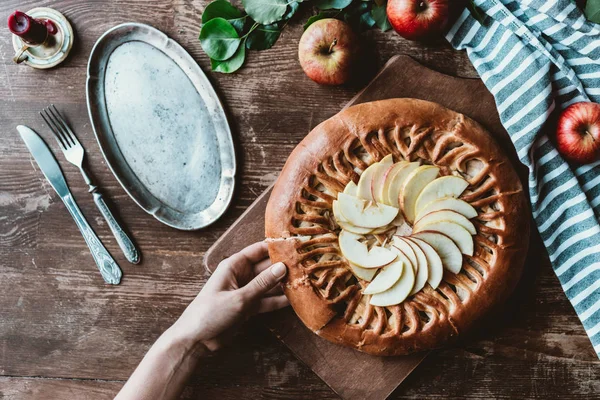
x=74, y=153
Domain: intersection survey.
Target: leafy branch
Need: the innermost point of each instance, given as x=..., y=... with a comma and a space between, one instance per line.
x=227, y=32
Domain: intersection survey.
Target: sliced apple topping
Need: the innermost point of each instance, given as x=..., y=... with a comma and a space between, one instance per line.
x=377, y=185
x=400, y=290
x=393, y=185
x=351, y=189
x=364, y=213
x=386, y=278
x=366, y=274
x=344, y=223
x=448, y=203
x=448, y=251
x=358, y=253
x=445, y=186
x=405, y=248
x=418, y=252
x=459, y=235
x=421, y=270
x=366, y=180
x=434, y=262
x=446, y=215
x=415, y=183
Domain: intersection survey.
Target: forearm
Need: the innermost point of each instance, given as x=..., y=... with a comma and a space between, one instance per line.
x=164, y=371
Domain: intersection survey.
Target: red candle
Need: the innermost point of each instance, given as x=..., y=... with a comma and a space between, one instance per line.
x=32, y=31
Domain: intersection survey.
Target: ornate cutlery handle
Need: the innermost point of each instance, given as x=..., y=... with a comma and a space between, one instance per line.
x=109, y=269
x=124, y=241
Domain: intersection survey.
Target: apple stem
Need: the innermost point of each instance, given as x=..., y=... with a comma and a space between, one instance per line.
x=590, y=135
x=332, y=45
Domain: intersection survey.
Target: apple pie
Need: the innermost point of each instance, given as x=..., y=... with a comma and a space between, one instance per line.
x=401, y=223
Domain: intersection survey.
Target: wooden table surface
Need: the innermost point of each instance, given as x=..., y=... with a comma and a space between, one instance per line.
x=64, y=334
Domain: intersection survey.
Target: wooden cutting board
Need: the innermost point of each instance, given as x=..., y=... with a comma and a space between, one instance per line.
x=352, y=374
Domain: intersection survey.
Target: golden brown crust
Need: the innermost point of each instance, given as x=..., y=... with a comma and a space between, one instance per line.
x=320, y=285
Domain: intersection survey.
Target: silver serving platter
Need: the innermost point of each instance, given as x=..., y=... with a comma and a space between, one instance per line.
x=160, y=126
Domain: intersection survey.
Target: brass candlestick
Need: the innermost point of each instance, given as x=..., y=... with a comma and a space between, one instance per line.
x=54, y=50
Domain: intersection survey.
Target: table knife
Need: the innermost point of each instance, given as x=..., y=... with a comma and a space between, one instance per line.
x=108, y=267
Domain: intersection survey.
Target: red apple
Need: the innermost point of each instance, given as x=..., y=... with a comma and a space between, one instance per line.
x=418, y=19
x=327, y=51
x=578, y=132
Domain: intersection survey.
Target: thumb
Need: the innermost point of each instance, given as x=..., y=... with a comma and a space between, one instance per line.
x=265, y=281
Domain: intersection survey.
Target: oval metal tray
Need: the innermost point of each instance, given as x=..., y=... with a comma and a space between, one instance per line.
x=160, y=126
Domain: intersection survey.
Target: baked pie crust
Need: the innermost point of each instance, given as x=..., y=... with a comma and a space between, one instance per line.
x=303, y=234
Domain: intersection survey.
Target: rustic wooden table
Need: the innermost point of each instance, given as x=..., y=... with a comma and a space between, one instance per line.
x=64, y=334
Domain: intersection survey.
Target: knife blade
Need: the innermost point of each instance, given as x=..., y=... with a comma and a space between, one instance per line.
x=108, y=267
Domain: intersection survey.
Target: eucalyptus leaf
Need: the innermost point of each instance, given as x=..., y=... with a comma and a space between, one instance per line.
x=263, y=37
x=232, y=64
x=332, y=4
x=219, y=39
x=291, y=10
x=224, y=9
x=266, y=11
x=380, y=16
x=592, y=11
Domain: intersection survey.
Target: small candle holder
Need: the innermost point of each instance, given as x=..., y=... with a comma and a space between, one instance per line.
x=53, y=50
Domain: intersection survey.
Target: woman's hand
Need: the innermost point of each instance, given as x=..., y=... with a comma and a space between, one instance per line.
x=242, y=285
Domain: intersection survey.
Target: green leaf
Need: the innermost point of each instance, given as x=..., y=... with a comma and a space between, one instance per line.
x=592, y=11
x=263, y=37
x=219, y=39
x=380, y=16
x=224, y=9
x=332, y=4
x=232, y=64
x=366, y=20
x=315, y=18
x=291, y=10
x=265, y=11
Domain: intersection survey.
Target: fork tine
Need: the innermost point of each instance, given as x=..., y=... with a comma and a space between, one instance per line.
x=68, y=143
x=55, y=133
x=64, y=124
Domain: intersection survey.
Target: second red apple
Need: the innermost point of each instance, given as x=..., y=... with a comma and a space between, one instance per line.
x=418, y=19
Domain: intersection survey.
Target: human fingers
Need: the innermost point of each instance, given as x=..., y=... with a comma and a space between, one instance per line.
x=262, y=265
x=272, y=303
x=251, y=254
x=265, y=281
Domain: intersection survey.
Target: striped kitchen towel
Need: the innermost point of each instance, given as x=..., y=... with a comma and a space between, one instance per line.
x=536, y=56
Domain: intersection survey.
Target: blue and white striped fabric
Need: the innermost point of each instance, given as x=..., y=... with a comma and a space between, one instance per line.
x=535, y=56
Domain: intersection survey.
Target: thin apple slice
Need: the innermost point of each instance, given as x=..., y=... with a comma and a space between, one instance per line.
x=459, y=235
x=365, y=214
x=351, y=189
x=446, y=215
x=397, y=181
x=386, y=278
x=415, y=182
x=366, y=274
x=358, y=253
x=377, y=185
x=422, y=269
x=347, y=226
x=365, y=182
x=445, y=247
x=444, y=186
x=406, y=249
x=400, y=290
x=387, y=180
x=448, y=203
x=343, y=222
x=434, y=262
